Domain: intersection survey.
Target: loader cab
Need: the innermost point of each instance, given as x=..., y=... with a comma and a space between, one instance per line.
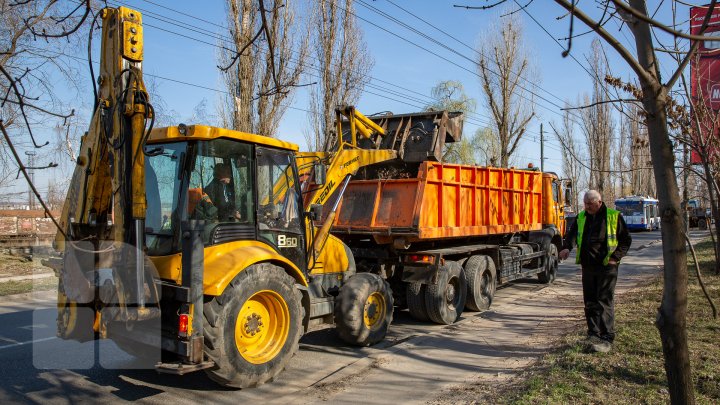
x=238, y=189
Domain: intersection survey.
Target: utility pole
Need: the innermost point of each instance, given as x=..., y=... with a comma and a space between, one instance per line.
x=542, y=149
x=31, y=164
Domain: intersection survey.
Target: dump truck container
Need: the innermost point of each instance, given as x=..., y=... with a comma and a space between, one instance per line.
x=443, y=201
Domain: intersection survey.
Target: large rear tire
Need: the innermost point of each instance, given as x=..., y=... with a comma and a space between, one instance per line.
x=252, y=330
x=445, y=300
x=363, y=309
x=74, y=320
x=481, y=282
x=548, y=274
x=415, y=297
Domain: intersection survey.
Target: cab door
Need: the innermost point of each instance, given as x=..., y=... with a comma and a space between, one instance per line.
x=280, y=209
x=558, y=206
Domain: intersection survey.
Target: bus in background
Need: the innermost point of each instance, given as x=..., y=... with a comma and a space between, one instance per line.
x=640, y=213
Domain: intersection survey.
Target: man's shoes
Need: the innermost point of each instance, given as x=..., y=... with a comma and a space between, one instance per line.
x=602, y=347
x=594, y=344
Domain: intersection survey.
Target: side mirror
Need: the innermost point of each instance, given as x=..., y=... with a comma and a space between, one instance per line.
x=568, y=196
x=319, y=173
x=315, y=212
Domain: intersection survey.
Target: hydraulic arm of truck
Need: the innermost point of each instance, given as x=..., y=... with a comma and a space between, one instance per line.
x=343, y=163
x=104, y=211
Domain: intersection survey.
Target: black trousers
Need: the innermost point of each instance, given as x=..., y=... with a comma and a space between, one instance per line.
x=598, y=283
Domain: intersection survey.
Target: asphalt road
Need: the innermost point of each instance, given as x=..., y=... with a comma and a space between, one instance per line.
x=36, y=367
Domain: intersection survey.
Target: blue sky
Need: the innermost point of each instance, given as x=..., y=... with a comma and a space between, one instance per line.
x=407, y=70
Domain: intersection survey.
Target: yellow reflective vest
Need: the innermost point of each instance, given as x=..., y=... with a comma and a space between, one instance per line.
x=611, y=225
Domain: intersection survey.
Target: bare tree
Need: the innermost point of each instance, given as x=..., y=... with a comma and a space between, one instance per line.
x=164, y=115
x=575, y=153
x=622, y=157
x=55, y=195
x=449, y=95
x=343, y=63
x=503, y=63
x=598, y=126
x=642, y=181
x=33, y=37
x=261, y=79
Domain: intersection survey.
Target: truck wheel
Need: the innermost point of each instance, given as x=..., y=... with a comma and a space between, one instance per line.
x=702, y=224
x=252, y=330
x=445, y=300
x=480, y=274
x=415, y=297
x=547, y=276
x=363, y=309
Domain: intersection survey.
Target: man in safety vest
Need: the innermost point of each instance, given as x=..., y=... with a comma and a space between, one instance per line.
x=602, y=239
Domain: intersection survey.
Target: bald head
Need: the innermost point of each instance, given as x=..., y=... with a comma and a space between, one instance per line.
x=593, y=202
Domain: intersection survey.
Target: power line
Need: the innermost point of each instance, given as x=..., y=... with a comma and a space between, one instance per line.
x=456, y=64
x=193, y=16
x=479, y=53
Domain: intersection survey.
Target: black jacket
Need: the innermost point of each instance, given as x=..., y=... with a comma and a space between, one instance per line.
x=594, y=247
x=223, y=198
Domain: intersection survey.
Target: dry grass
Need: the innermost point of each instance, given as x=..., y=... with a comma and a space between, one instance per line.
x=11, y=265
x=14, y=265
x=26, y=286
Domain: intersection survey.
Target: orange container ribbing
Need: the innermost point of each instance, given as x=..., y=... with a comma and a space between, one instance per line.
x=444, y=201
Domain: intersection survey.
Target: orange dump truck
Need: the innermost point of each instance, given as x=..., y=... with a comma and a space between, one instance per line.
x=445, y=235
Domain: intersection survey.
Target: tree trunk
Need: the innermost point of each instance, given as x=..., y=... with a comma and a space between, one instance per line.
x=671, y=317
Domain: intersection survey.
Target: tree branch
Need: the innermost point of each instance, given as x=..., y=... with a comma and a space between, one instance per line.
x=619, y=48
x=661, y=26
x=23, y=169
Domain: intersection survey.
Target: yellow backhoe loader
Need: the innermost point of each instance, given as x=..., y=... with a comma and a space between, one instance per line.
x=202, y=248
x=159, y=260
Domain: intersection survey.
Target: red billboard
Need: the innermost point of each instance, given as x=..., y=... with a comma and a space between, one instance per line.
x=705, y=77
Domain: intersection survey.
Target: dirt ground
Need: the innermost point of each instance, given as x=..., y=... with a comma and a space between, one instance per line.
x=548, y=336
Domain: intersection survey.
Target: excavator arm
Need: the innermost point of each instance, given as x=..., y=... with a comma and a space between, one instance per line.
x=341, y=166
x=104, y=211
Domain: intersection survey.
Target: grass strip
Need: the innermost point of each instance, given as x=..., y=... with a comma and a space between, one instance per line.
x=633, y=372
x=26, y=286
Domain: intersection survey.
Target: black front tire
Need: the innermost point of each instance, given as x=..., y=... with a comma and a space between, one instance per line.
x=445, y=300
x=364, y=309
x=252, y=330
